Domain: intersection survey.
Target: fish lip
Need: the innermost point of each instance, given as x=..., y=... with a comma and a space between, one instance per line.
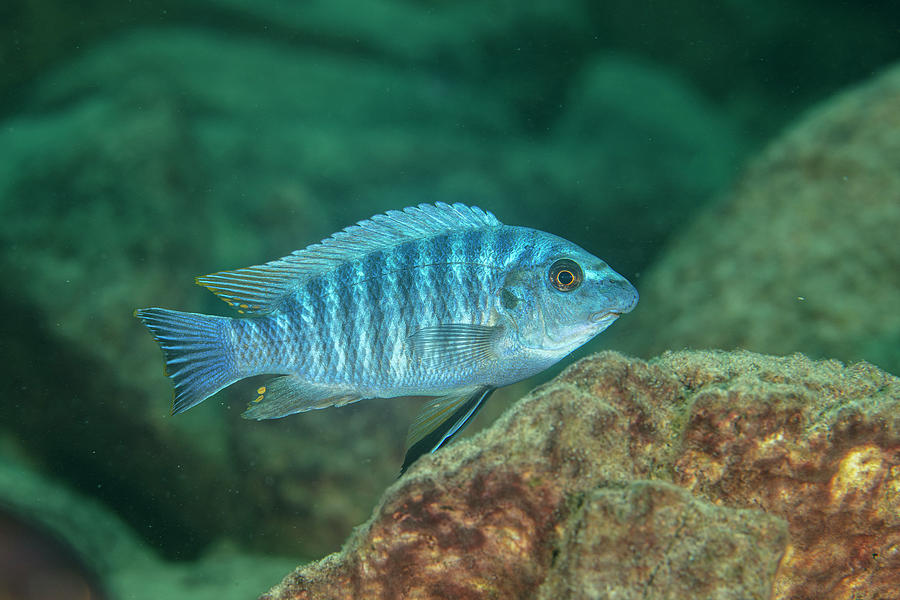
x=602, y=315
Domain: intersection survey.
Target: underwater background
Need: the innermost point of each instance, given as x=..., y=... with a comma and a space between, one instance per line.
x=145, y=143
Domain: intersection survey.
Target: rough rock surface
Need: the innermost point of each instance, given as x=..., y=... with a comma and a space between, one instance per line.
x=654, y=539
x=693, y=475
x=803, y=255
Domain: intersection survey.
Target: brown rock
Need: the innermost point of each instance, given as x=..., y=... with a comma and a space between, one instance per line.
x=553, y=500
x=652, y=539
x=803, y=255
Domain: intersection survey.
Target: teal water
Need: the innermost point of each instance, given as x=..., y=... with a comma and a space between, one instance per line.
x=144, y=144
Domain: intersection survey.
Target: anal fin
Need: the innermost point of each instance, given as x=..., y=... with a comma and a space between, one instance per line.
x=290, y=394
x=439, y=421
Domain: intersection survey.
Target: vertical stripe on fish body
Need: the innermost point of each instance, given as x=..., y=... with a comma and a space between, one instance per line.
x=356, y=321
x=434, y=300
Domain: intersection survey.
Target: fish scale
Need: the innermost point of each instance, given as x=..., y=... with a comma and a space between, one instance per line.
x=435, y=300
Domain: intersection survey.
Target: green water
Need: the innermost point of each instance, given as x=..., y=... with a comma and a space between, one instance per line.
x=145, y=143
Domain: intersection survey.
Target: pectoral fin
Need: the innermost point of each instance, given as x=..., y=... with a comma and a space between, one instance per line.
x=439, y=420
x=289, y=394
x=455, y=344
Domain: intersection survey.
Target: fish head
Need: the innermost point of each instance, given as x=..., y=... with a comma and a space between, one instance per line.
x=560, y=296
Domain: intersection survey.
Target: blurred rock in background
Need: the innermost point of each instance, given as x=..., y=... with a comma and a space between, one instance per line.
x=803, y=254
x=60, y=545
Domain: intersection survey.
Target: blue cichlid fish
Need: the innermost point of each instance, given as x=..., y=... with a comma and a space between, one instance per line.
x=434, y=300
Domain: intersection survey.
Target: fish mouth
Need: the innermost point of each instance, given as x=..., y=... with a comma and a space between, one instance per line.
x=605, y=315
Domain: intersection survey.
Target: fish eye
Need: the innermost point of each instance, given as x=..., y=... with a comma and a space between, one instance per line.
x=565, y=275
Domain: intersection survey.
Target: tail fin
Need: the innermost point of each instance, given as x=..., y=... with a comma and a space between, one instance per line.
x=194, y=348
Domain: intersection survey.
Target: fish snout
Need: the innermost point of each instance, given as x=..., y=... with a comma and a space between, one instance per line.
x=620, y=297
x=629, y=297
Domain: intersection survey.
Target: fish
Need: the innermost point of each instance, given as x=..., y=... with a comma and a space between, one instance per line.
x=435, y=300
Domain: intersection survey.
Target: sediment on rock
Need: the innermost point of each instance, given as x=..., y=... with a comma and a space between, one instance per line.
x=707, y=473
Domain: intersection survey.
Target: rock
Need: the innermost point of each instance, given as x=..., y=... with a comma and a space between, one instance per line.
x=803, y=254
x=654, y=538
x=693, y=475
x=37, y=514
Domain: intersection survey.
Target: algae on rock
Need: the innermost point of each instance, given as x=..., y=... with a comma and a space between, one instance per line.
x=630, y=476
x=653, y=539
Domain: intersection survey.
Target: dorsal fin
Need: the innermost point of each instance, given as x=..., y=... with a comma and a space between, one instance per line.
x=259, y=289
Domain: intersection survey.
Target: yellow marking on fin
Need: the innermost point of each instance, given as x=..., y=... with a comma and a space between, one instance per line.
x=261, y=390
x=258, y=399
x=241, y=312
x=244, y=306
